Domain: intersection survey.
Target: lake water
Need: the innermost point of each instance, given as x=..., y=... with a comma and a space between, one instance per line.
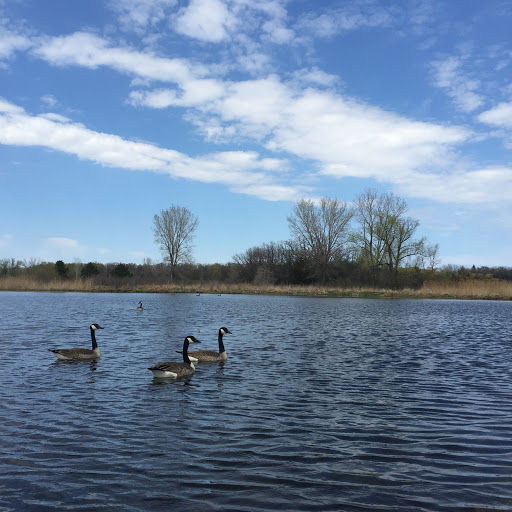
x=322, y=405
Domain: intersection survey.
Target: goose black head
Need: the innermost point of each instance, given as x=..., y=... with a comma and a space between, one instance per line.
x=192, y=339
x=225, y=330
x=96, y=326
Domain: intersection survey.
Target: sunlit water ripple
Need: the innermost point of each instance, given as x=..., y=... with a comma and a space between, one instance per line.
x=323, y=405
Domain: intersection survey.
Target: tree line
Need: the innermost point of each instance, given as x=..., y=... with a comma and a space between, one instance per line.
x=372, y=242
x=267, y=264
x=271, y=263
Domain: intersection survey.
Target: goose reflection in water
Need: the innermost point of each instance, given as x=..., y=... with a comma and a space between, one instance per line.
x=180, y=382
x=92, y=364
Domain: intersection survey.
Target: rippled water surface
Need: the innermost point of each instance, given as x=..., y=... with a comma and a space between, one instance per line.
x=322, y=405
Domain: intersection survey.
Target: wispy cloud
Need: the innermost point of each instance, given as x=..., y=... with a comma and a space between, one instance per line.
x=299, y=115
x=449, y=75
x=91, y=51
x=62, y=243
x=343, y=136
x=500, y=115
x=49, y=100
x=340, y=132
x=500, y=118
x=240, y=170
x=485, y=186
x=349, y=17
x=12, y=42
x=61, y=247
x=380, y=145
x=139, y=15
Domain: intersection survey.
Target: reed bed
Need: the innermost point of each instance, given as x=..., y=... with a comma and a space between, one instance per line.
x=29, y=284
x=490, y=289
x=471, y=289
x=24, y=283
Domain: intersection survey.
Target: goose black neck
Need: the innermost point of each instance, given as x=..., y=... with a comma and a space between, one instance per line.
x=221, y=343
x=185, y=352
x=93, y=339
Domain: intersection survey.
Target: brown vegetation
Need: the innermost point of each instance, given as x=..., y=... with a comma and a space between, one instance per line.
x=469, y=289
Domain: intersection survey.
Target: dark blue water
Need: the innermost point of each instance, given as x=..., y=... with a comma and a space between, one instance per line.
x=322, y=405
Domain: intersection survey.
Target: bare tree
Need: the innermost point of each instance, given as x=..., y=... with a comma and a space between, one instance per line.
x=400, y=244
x=174, y=230
x=11, y=266
x=321, y=231
x=397, y=234
x=386, y=239
x=432, y=255
x=367, y=244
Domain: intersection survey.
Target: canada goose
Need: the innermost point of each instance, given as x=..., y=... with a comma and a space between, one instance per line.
x=205, y=356
x=68, y=354
x=172, y=369
x=139, y=307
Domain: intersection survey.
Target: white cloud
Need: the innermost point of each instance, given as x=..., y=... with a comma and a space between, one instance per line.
x=277, y=32
x=211, y=128
x=500, y=115
x=61, y=248
x=138, y=15
x=206, y=20
x=61, y=243
x=51, y=116
x=240, y=169
x=260, y=102
x=254, y=62
x=344, y=136
x=315, y=77
x=11, y=42
x=480, y=186
x=341, y=136
x=448, y=75
x=9, y=108
x=244, y=23
x=194, y=93
x=49, y=100
x=273, y=192
x=257, y=104
x=91, y=51
x=157, y=98
x=349, y=138
x=353, y=16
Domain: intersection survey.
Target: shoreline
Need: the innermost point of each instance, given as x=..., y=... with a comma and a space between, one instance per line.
x=475, y=290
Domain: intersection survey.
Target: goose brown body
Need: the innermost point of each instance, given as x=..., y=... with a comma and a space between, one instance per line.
x=74, y=354
x=171, y=369
x=206, y=356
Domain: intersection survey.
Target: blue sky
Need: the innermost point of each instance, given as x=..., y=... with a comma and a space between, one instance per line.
x=113, y=110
